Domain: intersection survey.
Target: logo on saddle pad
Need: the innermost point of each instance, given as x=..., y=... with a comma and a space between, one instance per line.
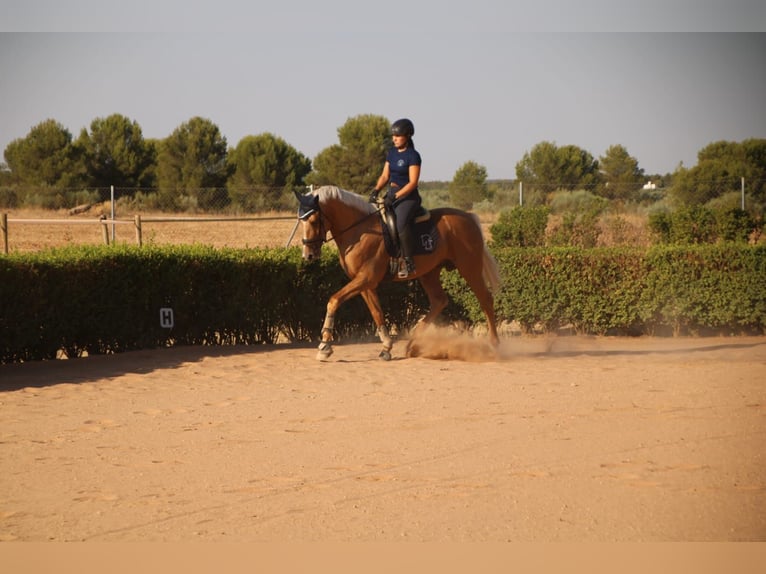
x=425, y=230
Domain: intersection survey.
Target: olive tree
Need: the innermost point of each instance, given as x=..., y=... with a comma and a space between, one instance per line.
x=264, y=169
x=469, y=185
x=355, y=162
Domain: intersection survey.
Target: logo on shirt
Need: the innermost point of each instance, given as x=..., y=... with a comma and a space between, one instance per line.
x=400, y=163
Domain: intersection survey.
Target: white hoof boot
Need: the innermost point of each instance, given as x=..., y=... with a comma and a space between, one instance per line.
x=324, y=352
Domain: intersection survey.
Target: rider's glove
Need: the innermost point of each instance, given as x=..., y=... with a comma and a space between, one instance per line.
x=374, y=196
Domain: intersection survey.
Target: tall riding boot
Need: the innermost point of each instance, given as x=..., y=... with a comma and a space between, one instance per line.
x=407, y=265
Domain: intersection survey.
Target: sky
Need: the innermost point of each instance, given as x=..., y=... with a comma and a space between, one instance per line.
x=484, y=81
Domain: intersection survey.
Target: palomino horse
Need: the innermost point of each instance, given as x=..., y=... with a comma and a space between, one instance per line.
x=355, y=226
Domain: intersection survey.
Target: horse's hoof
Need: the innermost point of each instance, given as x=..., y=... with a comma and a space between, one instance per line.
x=324, y=352
x=413, y=350
x=385, y=355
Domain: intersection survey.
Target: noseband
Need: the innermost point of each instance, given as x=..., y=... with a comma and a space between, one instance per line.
x=322, y=238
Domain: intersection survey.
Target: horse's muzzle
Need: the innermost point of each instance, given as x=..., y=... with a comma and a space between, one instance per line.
x=311, y=250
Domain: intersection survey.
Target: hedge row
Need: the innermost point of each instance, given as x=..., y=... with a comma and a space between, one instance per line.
x=108, y=299
x=677, y=290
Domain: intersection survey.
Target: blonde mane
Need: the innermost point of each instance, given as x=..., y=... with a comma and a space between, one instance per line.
x=332, y=192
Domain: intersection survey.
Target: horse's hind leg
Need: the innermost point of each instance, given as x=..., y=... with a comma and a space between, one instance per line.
x=486, y=301
x=437, y=301
x=373, y=304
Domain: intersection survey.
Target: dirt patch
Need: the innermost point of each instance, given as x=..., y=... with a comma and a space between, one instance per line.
x=558, y=439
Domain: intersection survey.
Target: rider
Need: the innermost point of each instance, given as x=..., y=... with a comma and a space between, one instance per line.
x=402, y=172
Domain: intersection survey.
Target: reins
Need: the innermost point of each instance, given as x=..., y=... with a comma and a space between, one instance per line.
x=323, y=240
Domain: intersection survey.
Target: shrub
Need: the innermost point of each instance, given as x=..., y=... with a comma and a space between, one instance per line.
x=699, y=224
x=520, y=227
x=733, y=224
x=695, y=289
x=9, y=199
x=594, y=290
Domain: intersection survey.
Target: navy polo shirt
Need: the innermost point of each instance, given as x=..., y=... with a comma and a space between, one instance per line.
x=399, y=165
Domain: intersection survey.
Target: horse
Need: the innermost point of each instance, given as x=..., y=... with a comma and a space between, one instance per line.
x=355, y=225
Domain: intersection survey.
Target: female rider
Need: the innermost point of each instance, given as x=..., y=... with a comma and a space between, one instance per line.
x=402, y=172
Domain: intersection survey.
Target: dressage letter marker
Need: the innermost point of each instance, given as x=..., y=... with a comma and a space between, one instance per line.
x=166, y=318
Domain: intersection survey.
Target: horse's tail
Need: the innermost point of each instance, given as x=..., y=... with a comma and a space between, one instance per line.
x=489, y=269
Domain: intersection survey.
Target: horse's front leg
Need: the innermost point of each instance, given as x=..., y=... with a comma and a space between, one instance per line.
x=370, y=297
x=325, y=343
x=354, y=287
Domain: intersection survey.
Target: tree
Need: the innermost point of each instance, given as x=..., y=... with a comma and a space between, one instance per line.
x=539, y=166
x=115, y=153
x=356, y=161
x=45, y=157
x=263, y=167
x=620, y=174
x=720, y=168
x=192, y=162
x=549, y=167
x=469, y=185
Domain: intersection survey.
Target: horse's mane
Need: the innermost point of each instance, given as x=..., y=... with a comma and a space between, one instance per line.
x=334, y=193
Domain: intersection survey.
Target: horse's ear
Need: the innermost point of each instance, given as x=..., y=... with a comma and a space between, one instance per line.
x=308, y=205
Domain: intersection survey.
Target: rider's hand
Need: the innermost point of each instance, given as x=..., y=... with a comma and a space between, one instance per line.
x=374, y=196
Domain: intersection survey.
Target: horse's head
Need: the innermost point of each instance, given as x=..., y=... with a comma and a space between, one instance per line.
x=314, y=230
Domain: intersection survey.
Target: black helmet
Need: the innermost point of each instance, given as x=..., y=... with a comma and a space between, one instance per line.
x=403, y=127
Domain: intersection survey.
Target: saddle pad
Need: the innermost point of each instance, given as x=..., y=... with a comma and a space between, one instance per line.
x=425, y=237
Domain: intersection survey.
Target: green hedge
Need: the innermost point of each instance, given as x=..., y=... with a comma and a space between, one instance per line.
x=696, y=290
x=107, y=299
x=701, y=224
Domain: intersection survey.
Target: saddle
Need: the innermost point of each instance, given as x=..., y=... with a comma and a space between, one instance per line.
x=389, y=221
x=424, y=231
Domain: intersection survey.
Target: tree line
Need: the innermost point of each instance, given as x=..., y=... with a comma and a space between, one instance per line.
x=195, y=168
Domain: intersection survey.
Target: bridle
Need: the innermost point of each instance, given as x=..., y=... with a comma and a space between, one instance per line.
x=322, y=238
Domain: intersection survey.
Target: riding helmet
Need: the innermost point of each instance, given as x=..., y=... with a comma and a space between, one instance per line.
x=403, y=127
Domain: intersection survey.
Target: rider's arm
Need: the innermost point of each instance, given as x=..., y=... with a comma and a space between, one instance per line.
x=385, y=175
x=414, y=173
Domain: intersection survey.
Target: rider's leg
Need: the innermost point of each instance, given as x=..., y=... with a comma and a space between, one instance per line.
x=405, y=211
x=405, y=241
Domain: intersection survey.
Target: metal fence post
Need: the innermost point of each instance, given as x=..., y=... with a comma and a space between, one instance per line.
x=743, y=194
x=113, y=214
x=4, y=227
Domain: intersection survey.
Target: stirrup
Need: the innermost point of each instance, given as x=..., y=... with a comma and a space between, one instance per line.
x=406, y=268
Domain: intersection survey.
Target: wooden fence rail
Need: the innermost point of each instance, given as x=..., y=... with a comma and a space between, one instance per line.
x=138, y=222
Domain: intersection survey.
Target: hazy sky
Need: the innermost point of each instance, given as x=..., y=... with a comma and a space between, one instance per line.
x=483, y=81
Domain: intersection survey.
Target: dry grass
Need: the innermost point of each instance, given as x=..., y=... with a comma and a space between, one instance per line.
x=270, y=230
x=273, y=230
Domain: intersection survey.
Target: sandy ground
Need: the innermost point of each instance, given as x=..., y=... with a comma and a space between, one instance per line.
x=558, y=439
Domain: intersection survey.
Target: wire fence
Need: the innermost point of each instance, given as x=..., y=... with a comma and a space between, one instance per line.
x=223, y=200
x=22, y=234
x=36, y=218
